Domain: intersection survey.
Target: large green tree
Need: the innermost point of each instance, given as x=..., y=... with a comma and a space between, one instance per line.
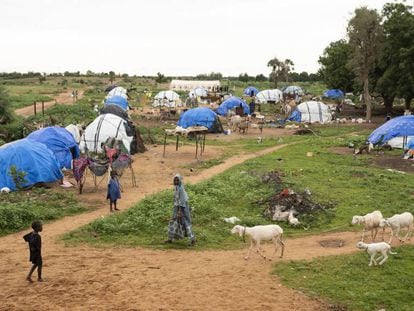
x=6, y=114
x=334, y=69
x=397, y=54
x=365, y=34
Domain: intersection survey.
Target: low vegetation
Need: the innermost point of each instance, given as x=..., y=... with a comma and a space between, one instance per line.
x=19, y=209
x=347, y=282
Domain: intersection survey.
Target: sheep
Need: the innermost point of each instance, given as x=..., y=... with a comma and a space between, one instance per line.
x=231, y=220
x=398, y=222
x=370, y=221
x=261, y=233
x=374, y=248
x=243, y=127
x=235, y=121
x=292, y=219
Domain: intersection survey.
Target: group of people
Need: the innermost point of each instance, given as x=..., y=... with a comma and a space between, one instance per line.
x=179, y=226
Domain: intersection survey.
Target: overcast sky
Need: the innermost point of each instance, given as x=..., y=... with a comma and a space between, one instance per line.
x=175, y=37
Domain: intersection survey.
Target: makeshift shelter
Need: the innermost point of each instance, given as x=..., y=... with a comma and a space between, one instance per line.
x=401, y=142
x=60, y=141
x=334, y=94
x=108, y=126
x=397, y=127
x=118, y=101
x=250, y=91
x=293, y=90
x=198, y=92
x=110, y=88
x=118, y=91
x=75, y=131
x=269, y=96
x=201, y=117
x=116, y=110
x=187, y=85
x=167, y=99
x=34, y=159
x=232, y=103
x=311, y=112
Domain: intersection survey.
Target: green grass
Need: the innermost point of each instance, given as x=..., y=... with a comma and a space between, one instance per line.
x=350, y=184
x=25, y=95
x=349, y=282
x=19, y=209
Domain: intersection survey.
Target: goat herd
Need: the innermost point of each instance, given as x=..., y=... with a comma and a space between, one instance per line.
x=370, y=222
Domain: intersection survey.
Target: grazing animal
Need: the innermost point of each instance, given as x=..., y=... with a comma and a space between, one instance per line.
x=243, y=127
x=261, y=233
x=398, y=222
x=235, y=121
x=231, y=220
x=374, y=248
x=370, y=221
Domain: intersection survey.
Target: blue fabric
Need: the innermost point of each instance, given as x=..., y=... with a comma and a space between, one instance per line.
x=232, y=103
x=33, y=158
x=114, y=192
x=334, y=94
x=59, y=141
x=399, y=126
x=410, y=144
x=117, y=100
x=248, y=91
x=198, y=116
x=296, y=116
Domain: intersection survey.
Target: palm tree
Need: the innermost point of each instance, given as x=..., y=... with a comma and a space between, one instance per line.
x=287, y=68
x=275, y=64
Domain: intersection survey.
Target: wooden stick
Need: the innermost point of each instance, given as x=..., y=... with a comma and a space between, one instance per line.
x=176, y=144
x=165, y=142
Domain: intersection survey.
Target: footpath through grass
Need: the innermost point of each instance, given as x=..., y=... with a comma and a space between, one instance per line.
x=349, y=183
x=19, y=209
x=350, y=283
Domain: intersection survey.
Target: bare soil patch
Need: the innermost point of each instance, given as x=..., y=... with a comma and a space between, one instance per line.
x=332, y=243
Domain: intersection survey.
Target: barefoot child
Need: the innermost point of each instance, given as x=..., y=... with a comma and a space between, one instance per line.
x=114, y=192
x=35, y=247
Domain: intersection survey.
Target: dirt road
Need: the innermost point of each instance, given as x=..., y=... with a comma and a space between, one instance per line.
x=86, y=278
x=61, y=99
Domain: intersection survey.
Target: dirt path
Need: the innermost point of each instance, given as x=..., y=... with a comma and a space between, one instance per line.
x=85, y=278
x=64, y=98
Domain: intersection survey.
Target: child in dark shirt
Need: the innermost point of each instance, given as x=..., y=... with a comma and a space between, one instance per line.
x=35, y=247
x=114, y=192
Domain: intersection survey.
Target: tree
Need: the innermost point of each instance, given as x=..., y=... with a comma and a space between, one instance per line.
x=260, y=78
x=280, y=70
x=365, y=34
x=6, y=114
x=334, y=70
x=244, y=77
x=160, y=78
x=397, y=54
x=111, y=76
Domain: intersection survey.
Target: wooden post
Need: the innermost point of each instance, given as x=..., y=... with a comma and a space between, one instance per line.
x=196, y=136
x=165, y=142
x=176, y=144
x=34, y=108
x=204, y=141
x=43, y=108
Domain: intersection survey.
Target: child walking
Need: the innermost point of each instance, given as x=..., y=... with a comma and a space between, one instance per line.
x=35, y=248
x=114, y=192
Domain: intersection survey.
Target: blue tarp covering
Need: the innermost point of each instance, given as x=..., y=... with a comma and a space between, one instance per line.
x=60, y=141
x=198, y=116
x=117, y=100
x=232, y=103
x=33, y=158
x=399, y=126
x=249, y=90
x=296, y=116
x=334, y=94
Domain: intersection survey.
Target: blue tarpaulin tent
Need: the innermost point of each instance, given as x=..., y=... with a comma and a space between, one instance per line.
x=30, y=157
x=398, y=127
x=232, y=103
x=333, y=94
x=200, y=117
x=250, y=91
x=60, y=141
x=117, y=100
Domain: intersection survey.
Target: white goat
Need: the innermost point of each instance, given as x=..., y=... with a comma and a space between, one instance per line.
x=398, y=222
x=370, y=221
x=261, y=233
x=374, y=248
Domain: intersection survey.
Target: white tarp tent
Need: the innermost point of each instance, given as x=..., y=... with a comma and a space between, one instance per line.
x=397, y=142
x=266, y=96
x=103, y=127
x=167, y=99
x=198, y=91
x=118, y=91
x=311, y=112
x=75, y=130
x=188, y=85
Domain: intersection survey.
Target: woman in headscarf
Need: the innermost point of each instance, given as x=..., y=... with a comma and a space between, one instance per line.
x=181, y=213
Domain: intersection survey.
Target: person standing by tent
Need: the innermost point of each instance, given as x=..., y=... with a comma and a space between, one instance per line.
x=181, y=220
x=114, y=192
x=252, y=105
x=35, y=249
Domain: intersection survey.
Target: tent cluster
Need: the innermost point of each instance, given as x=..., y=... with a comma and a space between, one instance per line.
x=37, y=158
x=117, y=96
